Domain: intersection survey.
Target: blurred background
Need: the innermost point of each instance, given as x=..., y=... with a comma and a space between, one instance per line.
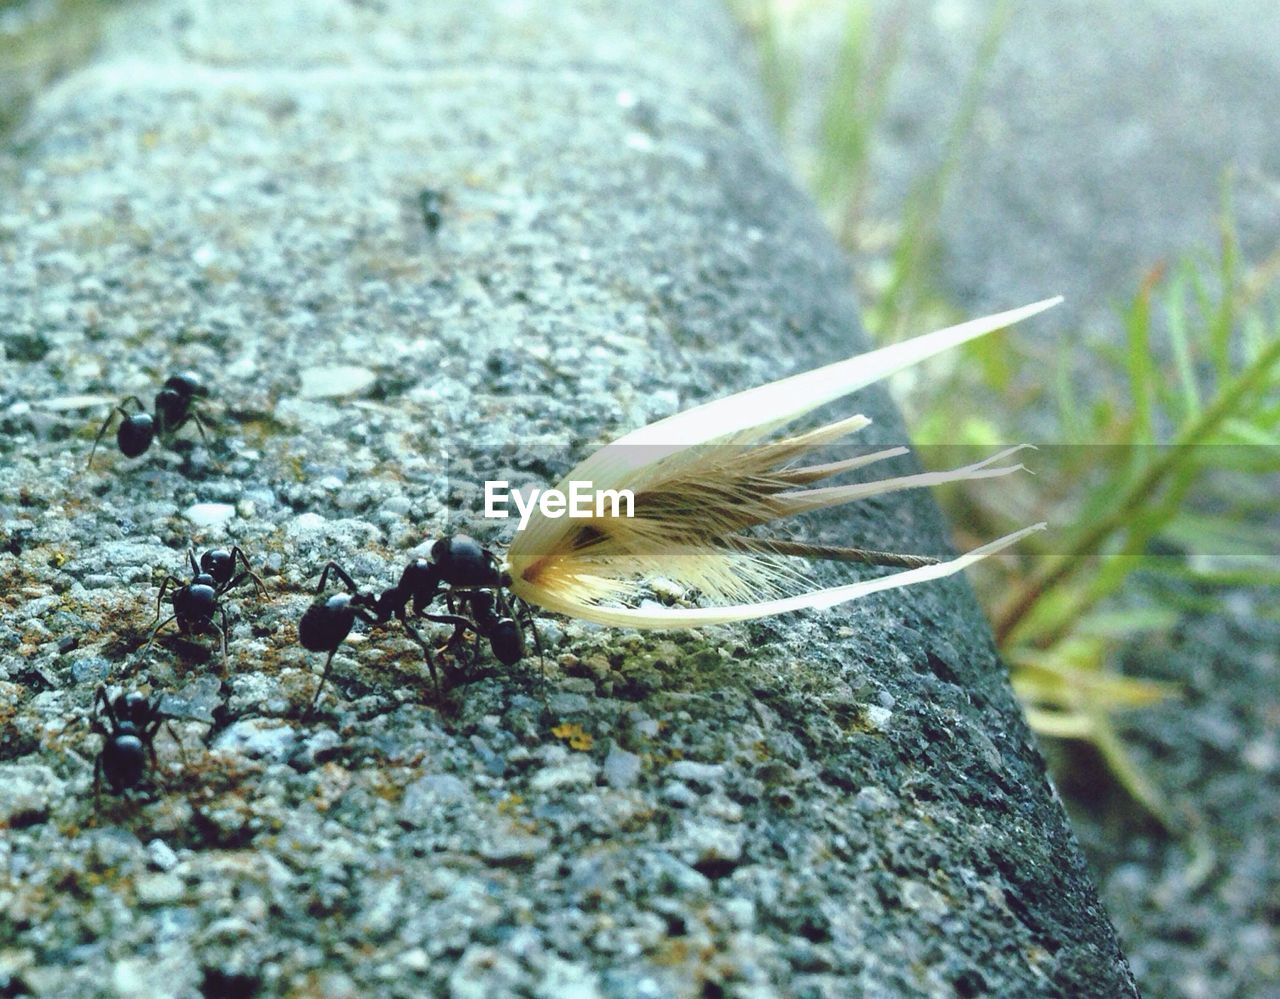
x=972, y=156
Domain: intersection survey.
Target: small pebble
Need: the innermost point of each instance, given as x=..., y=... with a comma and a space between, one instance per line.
x=258, y=737
x=870, y=800
x=578, y=772
x=679, y=795
x=160, y=889
x=424, y=798
x=209, y=515
x=335, y=381
x=161, y=856
x=877, y=717
x=621, y=768
x=28, y=789
x=305, y=522
x=704, y=775
x=514, y=850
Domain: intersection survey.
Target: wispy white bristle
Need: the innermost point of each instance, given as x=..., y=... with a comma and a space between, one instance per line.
x=665, y=618
x=706, y=476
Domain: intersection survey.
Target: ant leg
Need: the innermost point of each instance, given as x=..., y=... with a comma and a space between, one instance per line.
x=323, y=677
x=223, y=632
x=457, y=637
x=233, y=583
x=164, y=587
x=107, y=422
x=169, y=429
x=102, y=430
x=537, y=644
x=341, y=573
x=461, y=625
x=431, y=664
x=103, y=703
x=173, y=734
x=524, y=612
x=150, y=733
x=236, y=553
x=156, y=630
x=426, y=649
x=195, y=417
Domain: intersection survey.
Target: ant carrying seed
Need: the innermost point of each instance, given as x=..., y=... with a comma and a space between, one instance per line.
x=195, y=603
x=132, y=720
x=175, y=404
x=460, y=569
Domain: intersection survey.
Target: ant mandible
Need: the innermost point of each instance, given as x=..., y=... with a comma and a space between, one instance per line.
x=195, y=603
x=128, y=738
x=174, y=406
x=461, y=565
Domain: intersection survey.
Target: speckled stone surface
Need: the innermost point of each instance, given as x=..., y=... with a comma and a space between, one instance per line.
x=830, y=804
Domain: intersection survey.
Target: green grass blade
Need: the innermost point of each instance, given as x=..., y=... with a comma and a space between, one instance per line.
x=1176, y=317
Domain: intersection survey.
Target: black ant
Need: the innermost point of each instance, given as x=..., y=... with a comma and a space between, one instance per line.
x=174, y=406
x=431, y=205
x=195, y=603
x=460, y=565
x=128, y=738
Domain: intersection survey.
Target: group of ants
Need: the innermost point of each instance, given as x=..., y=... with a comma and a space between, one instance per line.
x=466, y=575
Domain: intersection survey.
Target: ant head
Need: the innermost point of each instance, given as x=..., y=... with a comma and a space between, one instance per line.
x=463, y=561
x=133, y=707
x=507, y=641
x=135, y=434
x=218, y=564
x=185, y=384
x=171, y=408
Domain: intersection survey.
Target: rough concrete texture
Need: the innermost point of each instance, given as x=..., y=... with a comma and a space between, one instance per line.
x=828, y=804
x=1198, y=913
x=1100, y=150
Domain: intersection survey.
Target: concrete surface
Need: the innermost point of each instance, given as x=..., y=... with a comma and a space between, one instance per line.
x=834, y=804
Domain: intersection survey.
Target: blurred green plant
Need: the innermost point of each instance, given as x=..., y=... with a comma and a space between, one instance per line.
x=40, y=41
x=1170, y=497
x=1158, y=493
